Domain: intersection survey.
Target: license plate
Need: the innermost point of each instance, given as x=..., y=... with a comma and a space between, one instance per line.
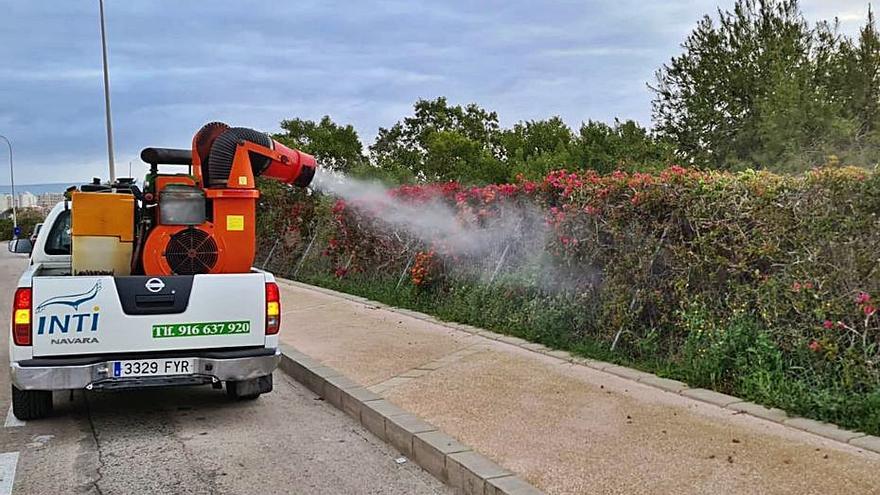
x=152, y=367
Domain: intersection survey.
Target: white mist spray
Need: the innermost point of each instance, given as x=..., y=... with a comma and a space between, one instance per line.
x=514, y=236
x=513, y=239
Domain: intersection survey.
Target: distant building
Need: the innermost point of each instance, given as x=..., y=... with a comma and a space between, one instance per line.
x=40, y=202
x=47, y=201
x=27, y=200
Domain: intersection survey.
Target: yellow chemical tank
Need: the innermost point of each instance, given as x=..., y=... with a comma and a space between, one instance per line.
x=102, y=230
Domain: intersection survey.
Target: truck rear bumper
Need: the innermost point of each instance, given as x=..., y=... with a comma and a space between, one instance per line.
x=40, y=375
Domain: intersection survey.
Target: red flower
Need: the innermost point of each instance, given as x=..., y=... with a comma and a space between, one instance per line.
x=422, y=269
x=869, y=309
x=507, y=189
x=815, y=346
x=828, y=324
x=863, y=298
x=676, y=170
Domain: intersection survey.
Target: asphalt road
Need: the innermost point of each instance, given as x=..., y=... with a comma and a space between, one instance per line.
x=192, y=440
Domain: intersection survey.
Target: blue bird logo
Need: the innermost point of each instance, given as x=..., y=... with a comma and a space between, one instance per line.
x=74, y=300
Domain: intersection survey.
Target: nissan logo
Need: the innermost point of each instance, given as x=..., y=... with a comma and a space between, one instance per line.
x=154, y=285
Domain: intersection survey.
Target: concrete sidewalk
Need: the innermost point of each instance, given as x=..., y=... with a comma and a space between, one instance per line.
x=566, y=428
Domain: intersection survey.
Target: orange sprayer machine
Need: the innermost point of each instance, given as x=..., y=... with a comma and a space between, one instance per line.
x=187, y=224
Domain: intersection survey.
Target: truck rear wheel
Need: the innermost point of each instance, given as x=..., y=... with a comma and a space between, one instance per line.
x=249, y=389
x=31, y=404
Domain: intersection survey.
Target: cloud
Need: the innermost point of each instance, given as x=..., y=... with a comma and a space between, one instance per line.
x=48, y=75
x=850, y=13
x=176, y=65
x=600, y=51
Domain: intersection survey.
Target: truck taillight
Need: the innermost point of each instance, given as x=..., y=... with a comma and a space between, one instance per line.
x=21, y=316
x=273, y=308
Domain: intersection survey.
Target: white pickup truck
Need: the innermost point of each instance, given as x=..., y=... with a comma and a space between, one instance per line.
x=104, y=332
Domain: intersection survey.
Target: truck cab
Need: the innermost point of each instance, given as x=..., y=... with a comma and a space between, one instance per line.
x=110, y=332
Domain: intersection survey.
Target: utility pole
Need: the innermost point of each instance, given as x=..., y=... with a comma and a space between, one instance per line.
x=12, y=183
x=107, y=97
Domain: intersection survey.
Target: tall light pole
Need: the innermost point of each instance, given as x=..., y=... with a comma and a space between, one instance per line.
x=12, y=183
x=107, y=97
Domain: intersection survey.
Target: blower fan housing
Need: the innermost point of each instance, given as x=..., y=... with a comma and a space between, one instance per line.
x=191, y=251
x=182, y=250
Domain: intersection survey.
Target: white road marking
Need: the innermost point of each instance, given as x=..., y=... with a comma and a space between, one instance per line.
x=11, y=420
x=8, y=461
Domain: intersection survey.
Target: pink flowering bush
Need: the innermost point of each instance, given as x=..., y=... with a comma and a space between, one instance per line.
x=750, y=283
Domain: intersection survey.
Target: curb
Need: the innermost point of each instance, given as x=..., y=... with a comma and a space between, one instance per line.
x=830, y=431
x=448, y=460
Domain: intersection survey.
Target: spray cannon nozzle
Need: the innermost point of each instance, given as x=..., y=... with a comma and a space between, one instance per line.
x=226, y=155
x=291, y=167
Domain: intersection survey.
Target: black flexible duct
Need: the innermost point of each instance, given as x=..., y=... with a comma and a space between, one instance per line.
x=223, y=153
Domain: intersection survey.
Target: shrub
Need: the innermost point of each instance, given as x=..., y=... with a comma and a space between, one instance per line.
x=749, y=283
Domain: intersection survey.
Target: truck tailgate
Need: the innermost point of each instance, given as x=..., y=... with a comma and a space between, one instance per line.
x=104, y=314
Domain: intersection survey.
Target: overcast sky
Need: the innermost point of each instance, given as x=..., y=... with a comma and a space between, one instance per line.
x=175, y=65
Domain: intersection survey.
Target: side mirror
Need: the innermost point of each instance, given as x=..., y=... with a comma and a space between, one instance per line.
x=21, y=246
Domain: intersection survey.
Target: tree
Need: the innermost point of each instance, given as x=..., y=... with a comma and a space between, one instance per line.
x=427, y=144
x=27, y=218
x=623, y=146
x=753, y=90
x=452, y=156
x=535, y=147
x=866, y=76
x=334, y=146
x=862, y=76
x=534, y=138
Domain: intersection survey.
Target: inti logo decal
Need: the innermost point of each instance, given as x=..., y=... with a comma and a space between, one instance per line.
x=77, y=322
